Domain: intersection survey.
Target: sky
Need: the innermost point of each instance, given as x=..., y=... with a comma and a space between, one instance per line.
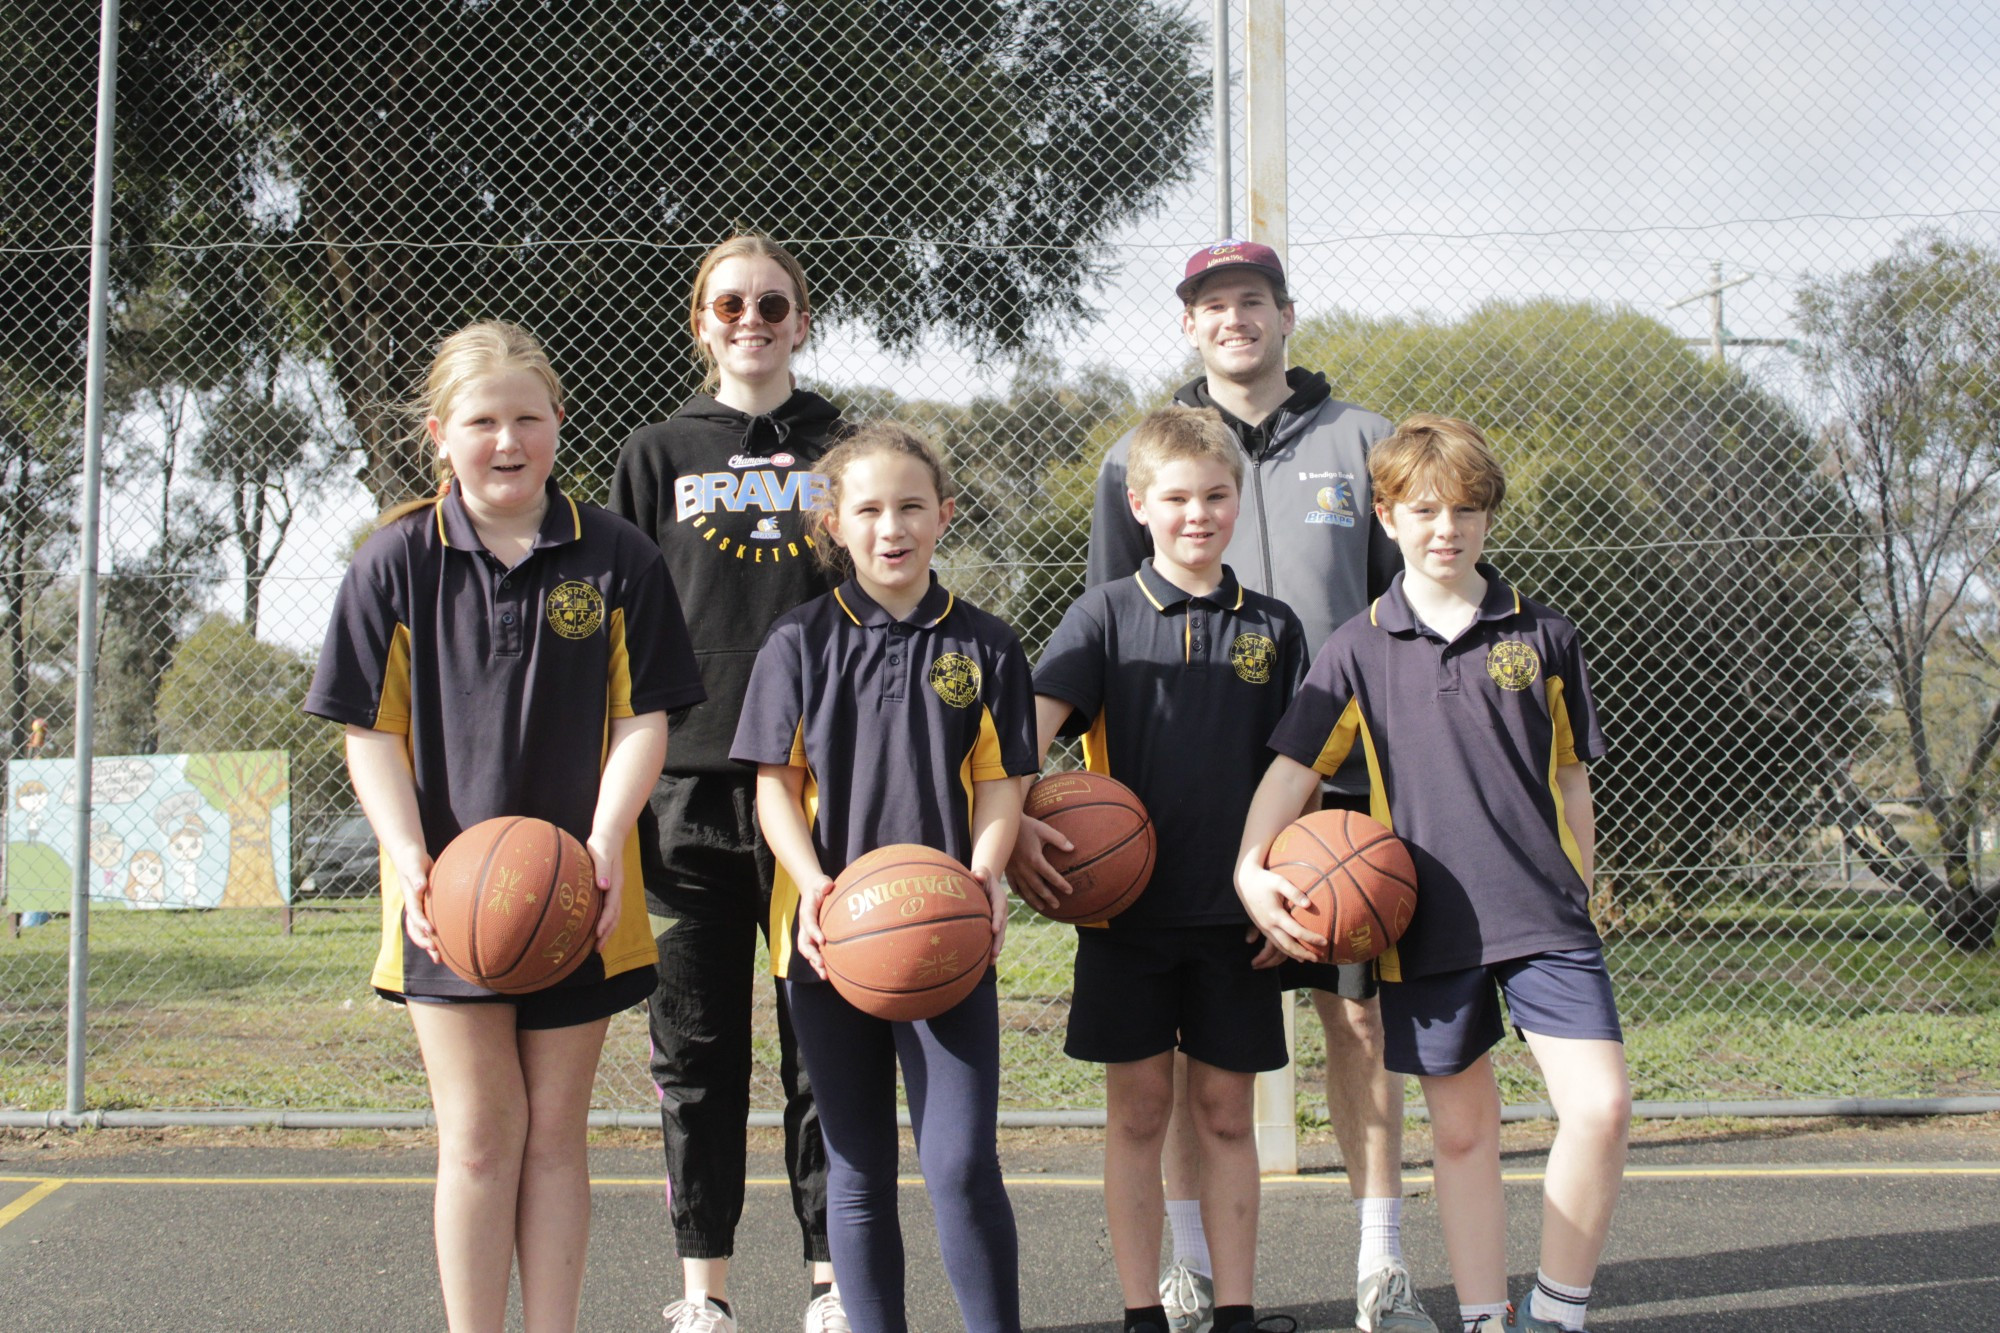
x=1442, y=155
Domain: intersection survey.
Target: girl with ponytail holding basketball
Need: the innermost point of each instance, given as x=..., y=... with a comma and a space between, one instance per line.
x=889, y=711
x=460, y=657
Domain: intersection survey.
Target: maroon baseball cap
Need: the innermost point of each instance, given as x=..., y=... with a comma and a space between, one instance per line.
x=1229, y=253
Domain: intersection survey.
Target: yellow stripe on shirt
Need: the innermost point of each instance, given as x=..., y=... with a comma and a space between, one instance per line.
x=1562, y=750
x=619, y=702
x=392, y=711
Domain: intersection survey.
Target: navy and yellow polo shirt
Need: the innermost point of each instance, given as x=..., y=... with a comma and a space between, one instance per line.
x=1174, y=696
x=1462, y=740
x=892, y=720
x=504, y=683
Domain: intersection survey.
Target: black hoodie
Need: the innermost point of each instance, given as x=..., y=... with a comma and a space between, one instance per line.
x=725, y=494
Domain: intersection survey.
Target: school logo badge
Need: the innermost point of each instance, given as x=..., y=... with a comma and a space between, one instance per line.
x=575, y=609
x=1513, y=665
x=1253, y=655
x=955, y=677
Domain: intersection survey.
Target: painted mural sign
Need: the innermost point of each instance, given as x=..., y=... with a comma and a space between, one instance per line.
x=166, y=831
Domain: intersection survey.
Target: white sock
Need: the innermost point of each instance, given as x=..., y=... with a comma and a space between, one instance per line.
x=1190, y=1241
x=1381, y=1234
x=1552, y=1300
x=1482, y=1318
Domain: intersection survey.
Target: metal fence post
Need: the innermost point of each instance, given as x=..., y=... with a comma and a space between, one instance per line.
x=86, y=597
x=1265, y=134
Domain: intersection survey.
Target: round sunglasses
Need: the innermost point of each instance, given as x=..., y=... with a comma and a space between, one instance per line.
x=772, y=307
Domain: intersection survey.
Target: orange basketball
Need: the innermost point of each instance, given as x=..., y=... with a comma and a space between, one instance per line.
x=1112, y=837
x=514, y=904
x=908, y=933
x=1360, y=885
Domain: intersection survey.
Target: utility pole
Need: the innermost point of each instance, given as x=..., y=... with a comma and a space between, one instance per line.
x=1719, y=337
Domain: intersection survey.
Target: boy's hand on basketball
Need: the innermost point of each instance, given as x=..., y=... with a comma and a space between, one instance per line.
x=811, y=938
x=1268, y=956
x=1269, y=898
x=1028, y=869
x=996, y=897
x=608, y=870
x=413, y=872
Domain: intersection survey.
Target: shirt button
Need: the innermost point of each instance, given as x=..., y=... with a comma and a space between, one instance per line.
x=507, y=618
x=895, y=661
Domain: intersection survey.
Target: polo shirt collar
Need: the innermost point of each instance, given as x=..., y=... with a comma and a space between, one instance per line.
x=560, y=525
x=1391, y=611
x=1166, y=596
x=865, y=610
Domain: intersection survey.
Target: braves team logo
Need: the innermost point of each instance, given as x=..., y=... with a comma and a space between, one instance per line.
x=705, y=501
x=575, y=609
x=955, y=677
x=1513, y=665
x=1253, y=655
x=1336, y=505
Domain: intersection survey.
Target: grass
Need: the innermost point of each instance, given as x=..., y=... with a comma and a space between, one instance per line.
x=216, y=1010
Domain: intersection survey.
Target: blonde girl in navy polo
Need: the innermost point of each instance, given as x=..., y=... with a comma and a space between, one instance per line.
x=857, y=712
x=461, y=659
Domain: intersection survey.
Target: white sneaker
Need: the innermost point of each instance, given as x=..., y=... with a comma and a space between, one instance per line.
x=697, y=1316
x=825, y=1315
x=1189, y=1298
x=1386, y=1302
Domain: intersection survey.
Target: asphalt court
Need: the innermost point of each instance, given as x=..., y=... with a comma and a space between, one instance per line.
x=1794, y=1226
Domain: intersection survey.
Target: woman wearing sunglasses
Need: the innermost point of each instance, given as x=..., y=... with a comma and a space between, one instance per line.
x=724, y=486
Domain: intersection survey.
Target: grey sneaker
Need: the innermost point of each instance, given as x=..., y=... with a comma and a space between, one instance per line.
x=697, y=1317
x=1386, y=1302
x=1189, y=1298
x=825, y=1315
x=1522, y=1320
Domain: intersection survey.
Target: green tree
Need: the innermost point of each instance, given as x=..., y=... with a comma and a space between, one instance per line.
x=1677, y=513
x=174, y=157
x=954, y=167
x=1908, y=352
x=228, y=691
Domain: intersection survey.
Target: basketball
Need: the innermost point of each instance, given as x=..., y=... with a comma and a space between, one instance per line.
x=908, y=931
x=1359, y=882
x=1112, y=837
x=514, y=904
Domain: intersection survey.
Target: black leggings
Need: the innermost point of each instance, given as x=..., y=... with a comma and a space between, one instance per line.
x=951, y=1068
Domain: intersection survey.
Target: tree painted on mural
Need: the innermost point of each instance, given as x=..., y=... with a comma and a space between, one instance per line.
x=245, y=786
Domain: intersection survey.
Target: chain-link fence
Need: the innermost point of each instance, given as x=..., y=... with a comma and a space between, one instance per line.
x=1771, y=508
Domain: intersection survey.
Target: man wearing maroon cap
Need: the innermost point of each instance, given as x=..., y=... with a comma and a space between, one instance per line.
x=1306, y=536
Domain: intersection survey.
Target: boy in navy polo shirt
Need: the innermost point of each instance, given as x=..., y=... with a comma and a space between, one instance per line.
x=1173, y=676
x=1473, y=708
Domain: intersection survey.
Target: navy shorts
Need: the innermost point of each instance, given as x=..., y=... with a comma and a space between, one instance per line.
x=1144, y=991
x=558, y=1006
x=1441, y=1024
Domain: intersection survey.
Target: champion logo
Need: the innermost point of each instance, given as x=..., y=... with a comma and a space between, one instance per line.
x=749, y=460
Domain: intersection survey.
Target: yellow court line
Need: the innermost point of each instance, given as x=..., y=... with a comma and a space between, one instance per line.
x=1328, y=1179
x=29, y=1200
